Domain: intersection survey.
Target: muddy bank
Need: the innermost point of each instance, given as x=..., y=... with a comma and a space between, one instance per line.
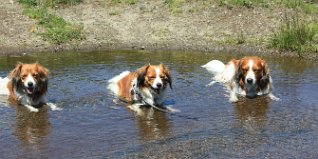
x=149, y=26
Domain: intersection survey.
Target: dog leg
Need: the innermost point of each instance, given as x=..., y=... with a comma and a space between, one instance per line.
x=53, y=106
x=272, y=97
x=233, y=97
x=31, y=108
x=136, y=108
x=211, y=84
x=172, y=110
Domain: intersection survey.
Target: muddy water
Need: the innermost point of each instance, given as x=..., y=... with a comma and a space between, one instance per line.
x=208, y=126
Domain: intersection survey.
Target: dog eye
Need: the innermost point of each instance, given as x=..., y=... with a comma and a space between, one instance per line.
x=35, y=75
x=152, y=78
x=23, y=77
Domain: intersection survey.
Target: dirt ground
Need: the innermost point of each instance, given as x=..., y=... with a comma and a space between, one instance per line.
x=147, y=25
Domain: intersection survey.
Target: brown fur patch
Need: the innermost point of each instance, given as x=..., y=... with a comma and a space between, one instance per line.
x=145, y=77
x=125, y=85
x=18, y=75
x=260, y=68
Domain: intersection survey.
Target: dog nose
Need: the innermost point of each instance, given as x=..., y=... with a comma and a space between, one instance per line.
x=249, y=80
x=30, y=84
x=159, y=85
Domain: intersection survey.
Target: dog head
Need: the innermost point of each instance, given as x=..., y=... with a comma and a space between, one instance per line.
x=156, y=77
x=252, y=73
x=30, y=78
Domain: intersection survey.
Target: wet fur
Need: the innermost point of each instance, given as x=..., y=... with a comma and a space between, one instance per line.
x=262, y=79
x=232, y=75
x=123, y=84
x=14, y=87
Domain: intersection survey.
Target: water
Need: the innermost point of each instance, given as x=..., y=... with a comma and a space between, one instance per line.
x=208, y=126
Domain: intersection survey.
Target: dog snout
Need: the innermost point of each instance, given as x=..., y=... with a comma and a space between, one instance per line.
x=249, y=80
x=159, y=85
x=30, y=84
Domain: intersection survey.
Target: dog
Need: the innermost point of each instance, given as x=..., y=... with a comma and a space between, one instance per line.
x=247, y=77
x=27, y=85
x=145, y=86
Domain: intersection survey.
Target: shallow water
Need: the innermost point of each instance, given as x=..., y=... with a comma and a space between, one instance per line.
x=208, y=126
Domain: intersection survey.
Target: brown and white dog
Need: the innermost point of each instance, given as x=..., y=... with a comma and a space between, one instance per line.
x=248, y=77
x=146, y=86
x=27, y=84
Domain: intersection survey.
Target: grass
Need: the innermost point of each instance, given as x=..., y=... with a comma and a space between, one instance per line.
x=161, y=32
x=57, y=30
x=294, y=4
x=130, y=2
x=238, y=39
x=300, y=4
x=48, y=3
x=296, y=35
x=175, y=5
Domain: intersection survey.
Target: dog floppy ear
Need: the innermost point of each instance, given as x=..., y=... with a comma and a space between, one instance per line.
x=43, y=72
x=43, y=76
x=265, y=73
x=141, y=73
x=15, y=73
x=167, y=74
x=239, y=73
x=265, y=68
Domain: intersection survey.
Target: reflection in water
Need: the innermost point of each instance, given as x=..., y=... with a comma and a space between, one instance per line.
x=152, y=124
x=252, y=113
x=254, y=128
x=32, y=128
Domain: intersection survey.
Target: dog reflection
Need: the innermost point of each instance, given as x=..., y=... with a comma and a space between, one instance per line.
x=252, y=113
x=152, y=124
x=32, y=128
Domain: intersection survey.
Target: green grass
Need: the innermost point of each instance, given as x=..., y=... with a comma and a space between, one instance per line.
x=130, y=2
x=56, y=29
x=175, y=5
x=299, y=4
x=29, y=2
x=245, y=3
x=237, y=39
x=294, y=4
x=49, y=3
x=65, y=1
x=296, y=35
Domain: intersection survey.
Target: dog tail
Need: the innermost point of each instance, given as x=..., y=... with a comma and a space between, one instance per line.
x=214, y=67
x=3, y=86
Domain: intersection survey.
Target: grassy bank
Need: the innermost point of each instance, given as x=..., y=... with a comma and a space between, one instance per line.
x=256, y=26
x=296, y=35
x=307, y=7
x=53, y=28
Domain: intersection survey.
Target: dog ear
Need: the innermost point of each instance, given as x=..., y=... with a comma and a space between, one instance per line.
x=239, y=72
x=167, y=73
x=15, y=73
x=265, y=68
x=43, y=75
x=43, y=72
x=141, y=73
x=265, y=74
